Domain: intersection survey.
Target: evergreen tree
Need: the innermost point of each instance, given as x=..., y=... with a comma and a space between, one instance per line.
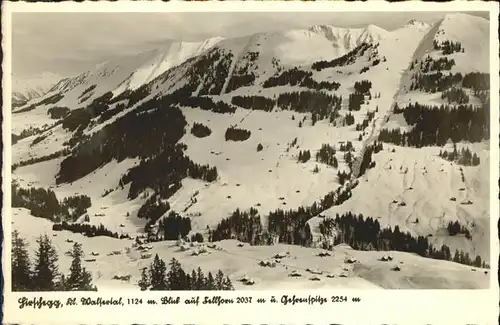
x=176, y=276
x=144, y=281
x=46, y=268
x=76, y=275
x=158, y=274
x=477, y=261
x=200, y=279
x=193, y=278
x=227, y=285
x=79, y=278
x=210, y=282
x=219, y=280
x=21, y=274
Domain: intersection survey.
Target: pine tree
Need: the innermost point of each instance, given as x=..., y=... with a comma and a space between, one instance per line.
x=176, y=276
x=21, y=274
x=227, y=284
x=200, y=279
x=477, y=261
x=46, y=268
x=219, y=280
x=158, y=274
x=144, y=281
x=86, y=284
x=210, y=284
x=193, y=277
x=75, y=278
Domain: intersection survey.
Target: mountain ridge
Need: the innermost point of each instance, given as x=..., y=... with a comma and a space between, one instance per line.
x=201, y=140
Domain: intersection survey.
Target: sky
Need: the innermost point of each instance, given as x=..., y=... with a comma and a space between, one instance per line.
x=69, y=43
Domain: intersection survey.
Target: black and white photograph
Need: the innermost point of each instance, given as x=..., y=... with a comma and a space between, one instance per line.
x=221, y=151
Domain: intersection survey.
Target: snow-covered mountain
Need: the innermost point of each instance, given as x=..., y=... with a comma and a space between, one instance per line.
x=254, y=116
x=27, y=89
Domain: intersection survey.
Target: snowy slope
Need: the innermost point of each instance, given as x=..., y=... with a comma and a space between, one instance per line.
x=470, y=31
x=238, y=262
x=125, y=73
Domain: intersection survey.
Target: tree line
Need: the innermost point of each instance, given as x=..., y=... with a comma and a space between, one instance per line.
x=43, y=203
x=43, y=274
x=301, y=78
x=242, y=77
x=236, y=134
x=326, y=155
x=463, y=157
x=58, y=112
x=287, y=226
x=164, y=172
x=448, y=47
x=439, y=81
x=246, y=227
x=87, y=230
x=200, y=131
x=433, y=125
x=304, y=156
x=455, y=228
x=174, y=226
x=316, y=102
x=363, y=87
x=366, y=234
x=345, y=59
x=157, y=278
x=455, y=95
x=36, y=160
x=206, y=104
x=430, y=64
x=260, y=103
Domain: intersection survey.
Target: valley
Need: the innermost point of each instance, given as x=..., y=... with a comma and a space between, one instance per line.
x=244, y=154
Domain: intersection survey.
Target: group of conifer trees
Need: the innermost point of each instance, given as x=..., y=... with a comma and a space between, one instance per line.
x=201, y=131
x=58, y=112
x=317, y=102
x=87, y=230
x=288, y=226
x=301, y=78
x=433, y=125
x=326, y=155
x=157, y=278
x=463, y=157
x=304, y=156
x=346, y=59
x=43, y=274
x=207, y=104
x=430, y=64
x=349, y=119
x=164, y=172
x=43, y=203
x=455, y=228
x=448, y=47
x=439, y=81
x=236, y=134
x=366, y=234
x=246, y=227
x=259, y=103
x=455, y=95
x=174, y=226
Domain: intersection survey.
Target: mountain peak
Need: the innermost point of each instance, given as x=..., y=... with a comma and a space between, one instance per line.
x=417, y=23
